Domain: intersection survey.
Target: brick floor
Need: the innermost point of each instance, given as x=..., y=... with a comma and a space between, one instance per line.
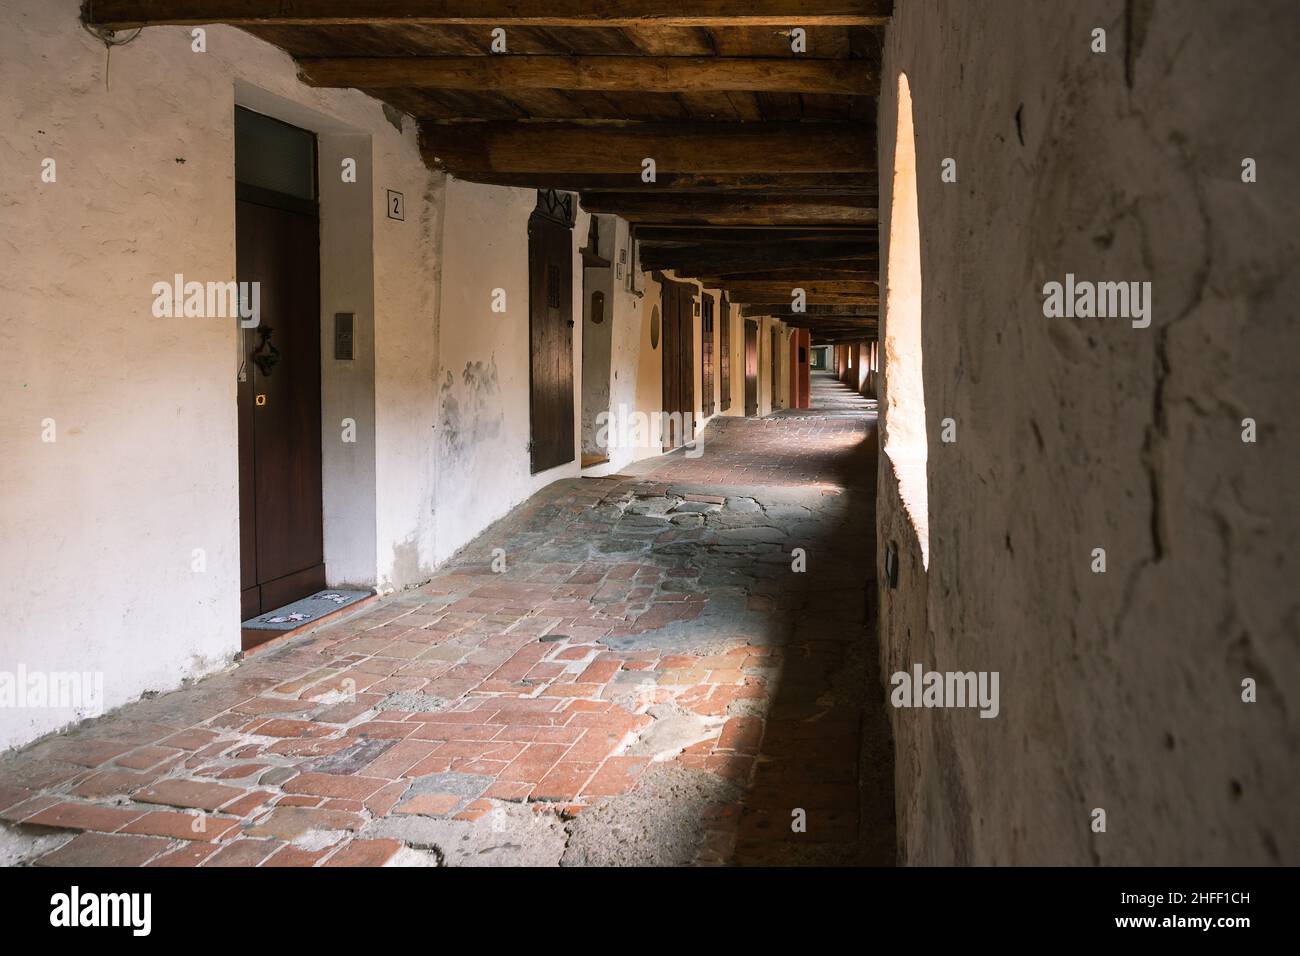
x=647, y=624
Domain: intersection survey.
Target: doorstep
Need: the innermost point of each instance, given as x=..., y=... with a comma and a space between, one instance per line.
x=306, y=614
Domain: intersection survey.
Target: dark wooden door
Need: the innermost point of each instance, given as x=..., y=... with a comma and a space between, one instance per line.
x=724, y=354
x=751, y=368
x=775, y=368
x=550, y=333
x=678, y=362
x=280, y=523
x=706, y=356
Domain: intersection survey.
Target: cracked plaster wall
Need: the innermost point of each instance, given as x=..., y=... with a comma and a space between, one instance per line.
x=482, y=385
x=1118, y=690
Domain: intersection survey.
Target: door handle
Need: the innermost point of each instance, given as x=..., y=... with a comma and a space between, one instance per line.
x=266, y=356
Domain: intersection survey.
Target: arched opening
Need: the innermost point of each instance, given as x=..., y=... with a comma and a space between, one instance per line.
x=904, y=428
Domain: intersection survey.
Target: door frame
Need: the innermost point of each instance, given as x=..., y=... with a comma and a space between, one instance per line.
x=266, y=595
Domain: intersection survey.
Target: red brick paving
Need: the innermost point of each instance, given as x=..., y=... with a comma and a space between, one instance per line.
x=534, y=681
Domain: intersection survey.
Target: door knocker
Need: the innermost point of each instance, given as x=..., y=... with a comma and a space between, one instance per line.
x=266, y=355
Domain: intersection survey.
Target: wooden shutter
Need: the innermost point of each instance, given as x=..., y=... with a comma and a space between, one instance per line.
x=724, y=354
x=774, y=370
x=706, y=356
x=550, y=331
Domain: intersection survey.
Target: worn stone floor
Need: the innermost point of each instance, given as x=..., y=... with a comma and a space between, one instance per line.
x=672, y=668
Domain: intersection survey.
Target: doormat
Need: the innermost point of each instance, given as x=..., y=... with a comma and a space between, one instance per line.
x=311, y=608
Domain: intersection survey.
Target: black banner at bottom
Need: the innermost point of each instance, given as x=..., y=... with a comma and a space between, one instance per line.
x=1168, y=906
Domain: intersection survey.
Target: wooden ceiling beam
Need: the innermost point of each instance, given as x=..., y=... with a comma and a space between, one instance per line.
x=822, y=287
x=572, y=148
x=788, y=239
x=819, y=341
x=123, y=14
x=814, y=311
x=788, y=271
x=651, y=206
x=795, y=276
x=774, y=301
x=827, y=326
x=807, y=184
x=724, y=257
x=635, y=74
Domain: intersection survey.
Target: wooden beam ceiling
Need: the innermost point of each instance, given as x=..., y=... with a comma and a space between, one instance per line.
x=675, y=148
x=121, y=14
x=765, y=159
x=775, y=298
x=753, y=238
x=834, y=271
x=823, y=287
x=839, y=338
x=815, y=311
x=637, y=74
x=848, y=323
x=806, y=184
x=792, y=277
x=652, y=206
x=725, y=257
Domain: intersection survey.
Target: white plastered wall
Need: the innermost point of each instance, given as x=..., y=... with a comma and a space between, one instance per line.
x=636, y=373
x=105, y=527
x=482, y=386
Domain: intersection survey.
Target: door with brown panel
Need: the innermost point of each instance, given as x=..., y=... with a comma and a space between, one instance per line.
x=707, y=406
x=277, y=245
x=678, y=362
x=751, y=368
x=550, y=331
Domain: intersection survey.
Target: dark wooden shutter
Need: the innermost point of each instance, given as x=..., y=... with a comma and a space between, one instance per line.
x=678, y=359
x=774, y=369
x=751, y=368
x=550, y=331
x=724, y=354
x=706, y=356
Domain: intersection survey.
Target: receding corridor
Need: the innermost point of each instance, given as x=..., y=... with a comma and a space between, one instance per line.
x=649, y=681
x=852, y=433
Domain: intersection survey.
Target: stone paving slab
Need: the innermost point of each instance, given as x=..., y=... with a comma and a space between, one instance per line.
x=650, y=680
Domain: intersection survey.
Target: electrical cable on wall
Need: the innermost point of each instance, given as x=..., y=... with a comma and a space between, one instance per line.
x=110, y=39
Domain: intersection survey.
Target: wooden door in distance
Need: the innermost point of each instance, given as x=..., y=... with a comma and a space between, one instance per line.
x=706, y=356
x=775, y=368
x=724, y=354
x=678, y=363
x=751, y=368
x=550, y=333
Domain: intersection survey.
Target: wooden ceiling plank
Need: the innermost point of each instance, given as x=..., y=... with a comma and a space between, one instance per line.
x=793, y=276
x=638, y=74
x=122, y=14
x=815, y=311
x=750, y=237
x=652, y=201
x=686, y=183
x=783, y=288
x=675, y=148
